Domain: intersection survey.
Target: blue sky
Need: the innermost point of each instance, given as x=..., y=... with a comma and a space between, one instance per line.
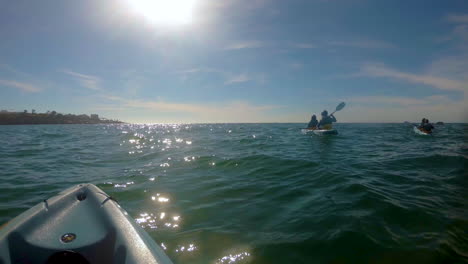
x=237, y=60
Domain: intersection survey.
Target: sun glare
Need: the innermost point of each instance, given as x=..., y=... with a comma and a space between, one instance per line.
x=169, y=12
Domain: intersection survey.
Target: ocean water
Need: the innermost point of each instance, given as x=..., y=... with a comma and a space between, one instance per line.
x=259, y=193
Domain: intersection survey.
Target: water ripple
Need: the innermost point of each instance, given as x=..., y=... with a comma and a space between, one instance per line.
x=259, y=193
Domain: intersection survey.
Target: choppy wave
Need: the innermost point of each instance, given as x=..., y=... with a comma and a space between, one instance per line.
x=259, y=193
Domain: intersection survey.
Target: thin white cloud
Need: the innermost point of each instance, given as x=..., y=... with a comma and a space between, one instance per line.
x=459, y=33
x=233, y=111
x=399, y=100
x=457, y=18
x=201, y=69
x=447, y=74
x=363, y=44
x=296, y=65
x=193, y=70
x=452, y=112
x=453, y=67
x=380, y=70
x=245, y=45
x=229, y=77
x=238, y=5
x=22, y=86
x=241, y=78
x=87, y=81
x=8, y=68
x=304, y=46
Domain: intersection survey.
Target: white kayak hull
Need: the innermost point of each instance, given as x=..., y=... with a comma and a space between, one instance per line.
x=325, y=131
x=306, y=130
x=320, y=131
x=80, y=225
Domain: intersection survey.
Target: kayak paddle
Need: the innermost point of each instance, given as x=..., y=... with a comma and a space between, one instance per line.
x=339, y=107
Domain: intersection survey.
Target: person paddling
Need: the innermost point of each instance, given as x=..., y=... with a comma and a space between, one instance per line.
x=427, y=127
x=423, y=121
x=326, y=121
x=313, y=123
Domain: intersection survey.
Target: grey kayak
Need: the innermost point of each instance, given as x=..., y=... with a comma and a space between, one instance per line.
x=80, y=225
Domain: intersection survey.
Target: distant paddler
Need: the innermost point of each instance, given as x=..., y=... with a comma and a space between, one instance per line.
x=425, y=126
x=313, y=122
x=326, y=122
x=324, y=127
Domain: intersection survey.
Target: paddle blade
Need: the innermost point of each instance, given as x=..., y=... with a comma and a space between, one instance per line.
x=340, y=106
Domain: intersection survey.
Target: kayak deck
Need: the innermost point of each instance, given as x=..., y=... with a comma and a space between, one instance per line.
x=80, y=225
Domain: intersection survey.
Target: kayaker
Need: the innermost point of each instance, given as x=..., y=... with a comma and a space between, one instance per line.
x=313, y=122
x=427, y=127
x=326, y=121
x=423, y=121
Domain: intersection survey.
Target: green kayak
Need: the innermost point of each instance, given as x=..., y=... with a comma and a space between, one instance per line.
x=81, y=225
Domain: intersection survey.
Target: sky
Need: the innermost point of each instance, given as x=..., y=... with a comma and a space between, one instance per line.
x=231, y=61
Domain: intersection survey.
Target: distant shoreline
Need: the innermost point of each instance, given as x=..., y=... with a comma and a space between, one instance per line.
x=40, y=124
x=51, y=118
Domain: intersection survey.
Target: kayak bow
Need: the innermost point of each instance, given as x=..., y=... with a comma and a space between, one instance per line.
x=80, y=225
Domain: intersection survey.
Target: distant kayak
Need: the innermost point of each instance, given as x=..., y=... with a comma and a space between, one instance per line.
x=80, y=225
x=420, y=132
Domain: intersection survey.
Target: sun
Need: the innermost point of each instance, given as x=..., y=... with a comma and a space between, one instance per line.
x=168, y=12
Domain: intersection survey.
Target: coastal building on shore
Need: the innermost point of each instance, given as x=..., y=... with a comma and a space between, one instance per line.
x=50, y=117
